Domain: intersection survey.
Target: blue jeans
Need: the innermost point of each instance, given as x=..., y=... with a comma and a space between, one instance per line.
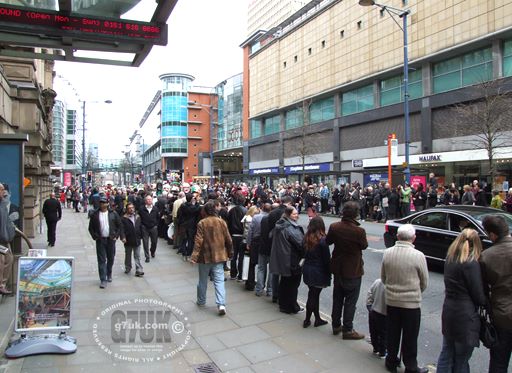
x=500, y=355
x=217, y=271
x=263, y=261
x=454, y=357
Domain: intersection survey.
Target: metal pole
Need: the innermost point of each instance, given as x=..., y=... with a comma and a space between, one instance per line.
x=407, y=170
x=83, y=147
x=212, y=169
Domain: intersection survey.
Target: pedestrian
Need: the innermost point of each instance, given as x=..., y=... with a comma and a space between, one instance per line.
x=404, y=273
x=496, y=263
x=376, y=305
x=287, y=252
x=212, y=247
x=52, y=212
x=76, y=200
x=468, y=198
x=405, y=202
x=251, y=246
x=317, y=275
x=346, y=264
x=178, y=231
x=480, y=199
x=260, y=245
x=236, y=230
x=105, y=228
x=62, y=198
x=132, y=234
x=496, y=201
x=464, y=293
x=188, y=216
x=149, y=219
x=419, y=198
x=7, y=233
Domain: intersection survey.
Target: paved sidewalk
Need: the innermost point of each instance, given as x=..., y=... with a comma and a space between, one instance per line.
x=252, y=337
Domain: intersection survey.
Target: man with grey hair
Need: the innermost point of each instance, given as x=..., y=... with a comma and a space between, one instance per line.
x=404, y=272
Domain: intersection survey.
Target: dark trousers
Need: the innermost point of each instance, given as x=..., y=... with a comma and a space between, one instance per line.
x=500, y=355
x=313, y=302
x=288, y=292
x=187, y=243
x=253, y=255
x=105, y=252
x=377, y=325
x=344, y=299
x=52, y=228
x=404, y=324
x=75, y=206
x=148, y=233
x=237, y=263
x=324, y=203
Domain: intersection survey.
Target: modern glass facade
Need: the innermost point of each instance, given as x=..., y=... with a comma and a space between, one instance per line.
x=229, y=133
x=58, y=133
x=174, y=114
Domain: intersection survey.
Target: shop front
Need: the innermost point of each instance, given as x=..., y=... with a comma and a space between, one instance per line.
x=313, y=173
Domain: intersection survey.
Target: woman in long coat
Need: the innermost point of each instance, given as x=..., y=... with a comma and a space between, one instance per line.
x=464, y=294
x=287, y=251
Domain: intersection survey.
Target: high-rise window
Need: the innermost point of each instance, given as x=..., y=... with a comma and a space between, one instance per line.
x=392, y=89
x=357, y=100
x=255, y=128
x=271, y=125
x=470, y=68
x=294, y=118
x=507, y=58
x=321, y=110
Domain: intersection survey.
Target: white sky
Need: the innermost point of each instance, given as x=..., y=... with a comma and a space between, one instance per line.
x=204, y=38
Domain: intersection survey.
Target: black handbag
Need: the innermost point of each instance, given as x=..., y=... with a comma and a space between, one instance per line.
x=488, y=334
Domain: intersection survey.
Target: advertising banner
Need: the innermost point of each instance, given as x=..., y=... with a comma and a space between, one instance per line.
x=44, y=293
x=67, y=179
x=12, y=179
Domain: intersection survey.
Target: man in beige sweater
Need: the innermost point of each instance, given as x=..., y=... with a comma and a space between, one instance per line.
x=404, y=272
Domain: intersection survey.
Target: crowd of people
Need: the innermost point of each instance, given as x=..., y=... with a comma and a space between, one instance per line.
x=217, y=228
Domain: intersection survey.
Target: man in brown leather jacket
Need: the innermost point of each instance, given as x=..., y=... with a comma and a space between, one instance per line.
x=347, y=266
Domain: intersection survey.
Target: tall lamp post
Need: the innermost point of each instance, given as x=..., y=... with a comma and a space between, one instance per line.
x=84, y=156
x=401, y=13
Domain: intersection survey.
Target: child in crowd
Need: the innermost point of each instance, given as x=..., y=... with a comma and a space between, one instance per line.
x=376, y=305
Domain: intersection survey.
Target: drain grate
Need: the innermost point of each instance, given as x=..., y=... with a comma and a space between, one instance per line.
x=206, y=368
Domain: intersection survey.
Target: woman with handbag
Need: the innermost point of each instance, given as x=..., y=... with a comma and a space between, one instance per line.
x=316, y=272
x=464, y=294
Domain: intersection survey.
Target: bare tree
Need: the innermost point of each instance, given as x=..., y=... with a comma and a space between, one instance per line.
x=487, y=121
x=302, y=145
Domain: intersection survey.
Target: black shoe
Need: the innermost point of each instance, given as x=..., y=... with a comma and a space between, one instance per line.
x=127, y=271
x=336, y=330
x=147, y=260
x=306, y=323
x=109, y=278
x=274, y=299
x=390, y=367
x=417, y=370
x=152, y=255
x=286, y=311
x=320, y=322
x=139, y=274
x=103, y=284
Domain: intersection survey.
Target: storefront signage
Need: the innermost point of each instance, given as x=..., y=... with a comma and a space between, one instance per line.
x=318, y=167
x=261, y=171
x=430, y=158
x=375, y=178
x=357, y=163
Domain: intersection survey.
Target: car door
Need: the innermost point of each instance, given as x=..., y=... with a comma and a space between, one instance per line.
x=431, y=229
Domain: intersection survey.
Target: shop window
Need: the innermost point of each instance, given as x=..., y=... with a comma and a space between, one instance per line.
x=357, y=100
x=392, y=89
x=322, y=110
x=471, y=68
x=507, y=58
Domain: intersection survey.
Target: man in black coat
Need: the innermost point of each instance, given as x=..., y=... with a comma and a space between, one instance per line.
x=132, y=230
x=105, y=228
x=52, y=212
x=149, y=216
x=188, y=216
x=236, y=230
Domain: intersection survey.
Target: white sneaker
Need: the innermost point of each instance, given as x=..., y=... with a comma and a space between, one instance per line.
x=222, y=310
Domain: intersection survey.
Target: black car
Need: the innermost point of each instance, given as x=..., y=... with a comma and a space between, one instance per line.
x=437, y=228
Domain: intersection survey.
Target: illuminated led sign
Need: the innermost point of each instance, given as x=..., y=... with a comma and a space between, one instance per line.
x=59, y=24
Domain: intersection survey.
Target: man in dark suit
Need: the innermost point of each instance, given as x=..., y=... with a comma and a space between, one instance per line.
x=132, y=233
x=349, y=241
x=52, y=212
x=149, y=216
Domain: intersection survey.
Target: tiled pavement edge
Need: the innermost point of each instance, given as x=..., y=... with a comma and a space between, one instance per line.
x=252, y=337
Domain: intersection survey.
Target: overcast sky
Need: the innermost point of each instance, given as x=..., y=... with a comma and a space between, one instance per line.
x=204, y=39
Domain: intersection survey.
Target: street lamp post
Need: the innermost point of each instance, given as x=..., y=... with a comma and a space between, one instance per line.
x=83, y=139
x=402, y=14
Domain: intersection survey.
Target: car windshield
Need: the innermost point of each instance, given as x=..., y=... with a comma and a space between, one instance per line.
x=478, y=215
